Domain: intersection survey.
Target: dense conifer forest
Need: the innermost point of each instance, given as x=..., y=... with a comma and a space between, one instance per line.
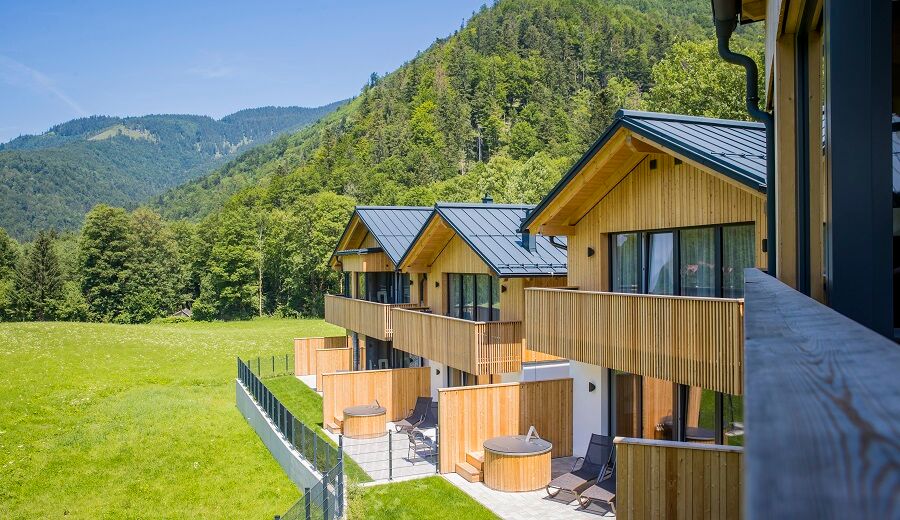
x=503, y=106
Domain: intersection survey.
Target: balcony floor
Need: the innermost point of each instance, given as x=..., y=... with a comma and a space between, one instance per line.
x=531, y=505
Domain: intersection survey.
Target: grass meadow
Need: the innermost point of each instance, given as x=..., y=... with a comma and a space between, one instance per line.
x=136, y=421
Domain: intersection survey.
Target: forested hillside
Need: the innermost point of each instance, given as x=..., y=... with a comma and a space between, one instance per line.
x=504, y=106
x=51, y=180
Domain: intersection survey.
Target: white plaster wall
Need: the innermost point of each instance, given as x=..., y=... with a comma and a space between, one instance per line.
x=437, y=380
x=589, y=409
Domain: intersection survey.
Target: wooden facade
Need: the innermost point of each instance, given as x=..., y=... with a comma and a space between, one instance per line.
x=476, y=347
x=470, y=415
x=332, y=360
x=691, y=341
x=305, y=352
x=371, y=319
x=678, y=480
x=396, y=390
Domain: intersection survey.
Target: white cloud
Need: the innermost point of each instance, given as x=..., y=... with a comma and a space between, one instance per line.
x=18, y=74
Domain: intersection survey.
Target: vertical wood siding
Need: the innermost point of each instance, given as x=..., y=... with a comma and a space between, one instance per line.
x=305, y=352
x=691, y=341
x=470, y=415
x=396, y=390
x=667, y=197
x=677, y=480
x=332, y=360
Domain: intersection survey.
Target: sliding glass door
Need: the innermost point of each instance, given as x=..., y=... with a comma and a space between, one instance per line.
x=474, y=297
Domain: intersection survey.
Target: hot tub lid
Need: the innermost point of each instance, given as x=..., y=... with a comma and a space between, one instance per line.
x=517, y=445
x=364, y=410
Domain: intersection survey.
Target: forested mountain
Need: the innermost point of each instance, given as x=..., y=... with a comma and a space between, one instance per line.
x=537, y=80
x=504, y=105
x=51, y=180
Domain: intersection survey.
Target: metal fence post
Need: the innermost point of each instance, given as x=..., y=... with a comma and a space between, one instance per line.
x=437, y=444
x=258, y=366
x=325, y=514
x=306, y=504
x=390, y=455
x=315, y=449
x=340, y=477
x=273, y=364
x=285, y=362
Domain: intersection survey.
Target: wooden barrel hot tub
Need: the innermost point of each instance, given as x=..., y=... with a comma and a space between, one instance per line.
x=364, y=421
x=515, y=463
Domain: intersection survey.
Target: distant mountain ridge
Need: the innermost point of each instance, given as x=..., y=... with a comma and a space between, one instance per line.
x=51, y=180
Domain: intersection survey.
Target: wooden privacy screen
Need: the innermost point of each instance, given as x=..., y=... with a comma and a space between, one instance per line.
x=332, y=360
x=395, y=389
x=369, y=318
x=665, y=479
x=305, y=352
x=470, y=415
x=692, y=341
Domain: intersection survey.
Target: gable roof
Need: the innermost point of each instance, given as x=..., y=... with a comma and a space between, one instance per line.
x=492, y=231
x=735, y=149
x=393, y=227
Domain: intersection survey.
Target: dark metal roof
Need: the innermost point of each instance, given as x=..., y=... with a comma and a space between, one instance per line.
x=736, y=149
x=492, y=231
x=394, y=227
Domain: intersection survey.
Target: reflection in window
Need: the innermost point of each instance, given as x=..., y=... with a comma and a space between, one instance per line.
x=468, y=297
x=482, y=297
x=698, y=262
x=454, y=288
x=495, y=298
x=661, y=264
x=473, y=297
x=626, y=263
x=737, y=255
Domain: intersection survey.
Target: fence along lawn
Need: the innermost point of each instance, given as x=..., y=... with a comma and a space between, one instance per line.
x=136, y=421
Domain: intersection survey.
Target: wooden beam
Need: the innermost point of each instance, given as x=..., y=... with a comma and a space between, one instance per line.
x=786, y=161
x=753, y=10
x=557, y=230
x=640, y=146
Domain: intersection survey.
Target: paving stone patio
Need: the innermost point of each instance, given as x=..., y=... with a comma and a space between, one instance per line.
x=532, y=505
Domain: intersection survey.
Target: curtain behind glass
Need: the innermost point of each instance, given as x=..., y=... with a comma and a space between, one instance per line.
x=482, y=297
x=626, y=263
x=737, y=254
x=661, y=264
x=495, y=298
x=698, y=262
x=453, y=292
x=468, y=297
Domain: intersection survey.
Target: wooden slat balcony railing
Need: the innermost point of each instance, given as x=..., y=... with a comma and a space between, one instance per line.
x=368, y=318
x=691, y=341
x=476, y=347
x=665, y=479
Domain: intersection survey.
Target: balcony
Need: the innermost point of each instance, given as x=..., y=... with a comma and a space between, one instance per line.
x=368, y=318
x=692, y=341
x=476, y=347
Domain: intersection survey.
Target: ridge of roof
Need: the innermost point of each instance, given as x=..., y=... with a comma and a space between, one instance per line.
x=681, y=118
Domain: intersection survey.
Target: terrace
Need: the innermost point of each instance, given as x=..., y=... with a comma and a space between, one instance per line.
x=371, y=319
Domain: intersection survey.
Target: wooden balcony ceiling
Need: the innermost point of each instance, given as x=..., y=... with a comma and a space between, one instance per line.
x=734, y=150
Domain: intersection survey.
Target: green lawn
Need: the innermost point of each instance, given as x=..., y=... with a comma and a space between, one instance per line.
x=734, y=412
x=422, y=499
x=306, y=405
x=136, y=421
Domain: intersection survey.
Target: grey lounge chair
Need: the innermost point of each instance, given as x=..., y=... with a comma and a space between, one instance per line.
x=583, y=476
x=418, y=443
x=604, y=489
x=416, y=416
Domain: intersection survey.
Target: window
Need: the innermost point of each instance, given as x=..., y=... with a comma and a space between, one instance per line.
x=361, y=286
x=661, y=263
x=703, y=261
x=698, y=261
x=737, y=254
x=626, y=260
x=347, y=284
x=473, y=297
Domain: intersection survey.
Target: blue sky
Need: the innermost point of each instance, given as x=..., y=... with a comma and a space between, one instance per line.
x=61, y=59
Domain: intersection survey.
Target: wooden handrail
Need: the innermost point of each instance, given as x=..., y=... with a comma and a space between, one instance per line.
x=822, y=409
x=369, y=318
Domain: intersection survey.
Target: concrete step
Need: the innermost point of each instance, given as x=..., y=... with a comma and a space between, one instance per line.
x=468, y=472
x=475, y=458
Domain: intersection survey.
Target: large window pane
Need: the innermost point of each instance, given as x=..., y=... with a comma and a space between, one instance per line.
x=698, y=262
x=661, y=264
x=737, y=254
x=626, y=267
x=454, y=306
x=468, y=297
x=482, y=297
x=495, y=298
x=404, y=284
x=361, y=286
